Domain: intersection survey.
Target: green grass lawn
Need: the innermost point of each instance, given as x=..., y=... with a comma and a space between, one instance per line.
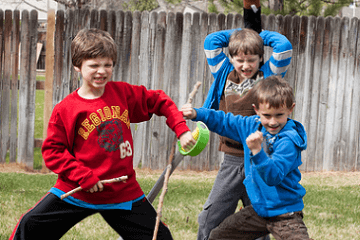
x=332, y=209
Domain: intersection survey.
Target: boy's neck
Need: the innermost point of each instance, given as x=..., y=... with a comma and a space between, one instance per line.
x=90, y=93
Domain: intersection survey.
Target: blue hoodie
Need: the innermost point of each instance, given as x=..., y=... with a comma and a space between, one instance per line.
x=272, y=176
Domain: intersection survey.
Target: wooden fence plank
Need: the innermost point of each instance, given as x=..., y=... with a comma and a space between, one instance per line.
x=325, y=46
x=202, y=162
x=172, y=59
x=5, y=97
x=310, y=87
x=159, y=132
x=126, y=47
x=2, y=114
x=185, y=87
x=49, y=74
x=14, y=84
x=345, y=87
x=144, y=79
x=23, y=85
x=138, y=130
x=338, y=145
x=352, y=102
x=27, y=87
x=316, y=101
x=357, y=76
x=118, y=38
x=331, y=123
x=67, y=71
x=59, y=55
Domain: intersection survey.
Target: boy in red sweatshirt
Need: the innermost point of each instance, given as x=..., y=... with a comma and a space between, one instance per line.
x=89, y=139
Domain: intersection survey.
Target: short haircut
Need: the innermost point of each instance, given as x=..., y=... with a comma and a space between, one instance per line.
x=275, y=91
x=92, y=43
x=246, y=41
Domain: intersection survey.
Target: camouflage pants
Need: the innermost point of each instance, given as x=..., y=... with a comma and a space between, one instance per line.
x=246, y=224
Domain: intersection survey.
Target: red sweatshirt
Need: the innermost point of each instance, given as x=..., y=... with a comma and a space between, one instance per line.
x=90, y=140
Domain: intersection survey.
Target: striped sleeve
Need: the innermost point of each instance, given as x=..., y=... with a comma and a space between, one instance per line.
x=219, y=64
x=280, y=59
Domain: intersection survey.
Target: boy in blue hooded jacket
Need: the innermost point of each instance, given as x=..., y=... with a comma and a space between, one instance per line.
x=272, y=150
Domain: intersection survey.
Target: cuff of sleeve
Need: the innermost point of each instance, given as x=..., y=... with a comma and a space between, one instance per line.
x=259, y=157
x=199, y=115
x=180, y=129
x=88, y=182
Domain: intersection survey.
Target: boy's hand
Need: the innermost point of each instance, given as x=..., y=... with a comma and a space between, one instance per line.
x=187, y=141
x=254, y=142
x=97, y=187
x=188, y=111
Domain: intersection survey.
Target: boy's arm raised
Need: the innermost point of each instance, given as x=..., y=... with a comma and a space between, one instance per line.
x=219, y=65
x=280, y=59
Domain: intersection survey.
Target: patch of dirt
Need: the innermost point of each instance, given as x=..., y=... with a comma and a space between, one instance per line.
x=307, y=177
x=19, y=168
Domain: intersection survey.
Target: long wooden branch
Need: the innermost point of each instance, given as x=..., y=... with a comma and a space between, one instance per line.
x=168, y=169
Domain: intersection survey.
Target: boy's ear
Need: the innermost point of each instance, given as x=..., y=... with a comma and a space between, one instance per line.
x=255, y=109
x=292, y=108
x=77, y=69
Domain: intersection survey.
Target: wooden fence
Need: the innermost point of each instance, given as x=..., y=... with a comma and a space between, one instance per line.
x=165, y=51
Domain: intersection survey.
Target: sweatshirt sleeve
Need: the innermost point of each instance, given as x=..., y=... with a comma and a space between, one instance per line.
x=227, y=125
x=143, y=103
x=219, y=65
x=56, y=151
x=280, y=59
x=273, y=170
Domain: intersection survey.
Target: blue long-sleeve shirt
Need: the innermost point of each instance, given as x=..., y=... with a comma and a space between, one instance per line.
x=272, y=177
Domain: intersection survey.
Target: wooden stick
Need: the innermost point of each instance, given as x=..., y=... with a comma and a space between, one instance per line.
x=164, y=190
x=194, y=91
x=118, y=179
x=168, y=169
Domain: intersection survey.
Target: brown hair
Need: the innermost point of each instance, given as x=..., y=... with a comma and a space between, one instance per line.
x=275, y=91
x=92, y=43
x=247, y=41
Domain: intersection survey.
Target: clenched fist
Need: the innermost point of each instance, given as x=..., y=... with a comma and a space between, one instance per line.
x=254, y=141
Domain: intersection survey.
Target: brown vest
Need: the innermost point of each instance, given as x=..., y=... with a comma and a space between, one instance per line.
x=238, y=105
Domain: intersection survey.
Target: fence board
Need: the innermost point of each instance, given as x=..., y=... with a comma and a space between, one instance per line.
x=309, y=86
x=144, y=79
x=138, y=130
x=356, y=104
x=316, y=111
x=14, y=83
x=5, y=97
x=159, y=133
x=344, y=96
x=59, y=56
x=2, y=114
x=332, y=128
x=27, y=87
x=185, y=87
x=352, y=102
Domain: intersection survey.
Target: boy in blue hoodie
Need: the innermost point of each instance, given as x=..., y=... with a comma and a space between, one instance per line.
x=272, y=150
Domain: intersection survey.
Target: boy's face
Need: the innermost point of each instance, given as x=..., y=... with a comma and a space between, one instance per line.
x=246, y=65
x=273, y=119
x=96, y=72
